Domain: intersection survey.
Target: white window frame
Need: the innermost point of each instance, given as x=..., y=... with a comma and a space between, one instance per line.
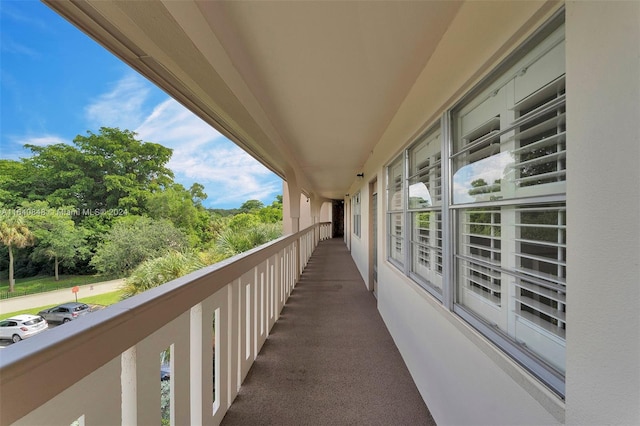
x=521, y=293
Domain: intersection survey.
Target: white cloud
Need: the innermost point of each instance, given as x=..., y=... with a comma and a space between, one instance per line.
x=201, y=154
x=490, y=169
x=43, y=140
x=122, y=106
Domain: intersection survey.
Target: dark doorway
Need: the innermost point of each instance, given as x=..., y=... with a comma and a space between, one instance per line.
x=338, y=218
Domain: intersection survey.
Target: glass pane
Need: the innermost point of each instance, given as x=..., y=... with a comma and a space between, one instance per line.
x=394, y=177
x=511, y=271
x=395, y=238
x=505, y=150
x=426, y=247
x=425, y=173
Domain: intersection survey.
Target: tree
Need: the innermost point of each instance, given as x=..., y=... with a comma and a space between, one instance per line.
x=134, y=239
x=270, y=214
x=13, y=182
x=13, y=233
x=251, y=206
x=480, y=186
x=108, y=170
x=125, y=169
x=56, y=174
x=154, y=272
x=237, y=239
x=57, y=237
x=243, y=221
x=197, y=194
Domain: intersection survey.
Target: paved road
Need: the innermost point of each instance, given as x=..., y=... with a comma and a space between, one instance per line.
x=54, y=297
x=57, y=296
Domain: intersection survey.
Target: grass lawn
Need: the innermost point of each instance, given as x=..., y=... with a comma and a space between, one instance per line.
x=40, y=284
x=105, y=299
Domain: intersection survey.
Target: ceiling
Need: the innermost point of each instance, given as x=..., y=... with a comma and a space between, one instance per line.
x=308, y=88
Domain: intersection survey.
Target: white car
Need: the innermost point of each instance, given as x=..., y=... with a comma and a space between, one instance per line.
x=22, y=326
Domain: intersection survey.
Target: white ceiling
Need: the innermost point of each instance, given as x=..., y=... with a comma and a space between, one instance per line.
x=307, y=87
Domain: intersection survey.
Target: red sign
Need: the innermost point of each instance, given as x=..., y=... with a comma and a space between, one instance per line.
x=75, y=289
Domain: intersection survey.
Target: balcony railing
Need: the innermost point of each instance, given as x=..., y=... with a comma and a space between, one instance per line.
x=105, y=367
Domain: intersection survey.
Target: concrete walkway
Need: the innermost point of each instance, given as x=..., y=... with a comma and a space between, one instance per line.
x=329, y=359
x=57, y=296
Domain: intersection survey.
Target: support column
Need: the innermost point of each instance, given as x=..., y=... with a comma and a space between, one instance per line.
x=291, y=206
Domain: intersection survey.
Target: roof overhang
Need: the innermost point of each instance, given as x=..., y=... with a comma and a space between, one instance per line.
x=307, y=88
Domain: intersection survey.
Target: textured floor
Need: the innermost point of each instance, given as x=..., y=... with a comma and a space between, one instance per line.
x=329, y=359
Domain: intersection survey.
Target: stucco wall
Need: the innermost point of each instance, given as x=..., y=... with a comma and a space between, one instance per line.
x=463, y=378
x=460, y=384
x=603, y=205
x=360, y=244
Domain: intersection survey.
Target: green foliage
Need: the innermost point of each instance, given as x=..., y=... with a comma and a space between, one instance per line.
x=243, y=221
x=57, y=237
x=251, y=206
x=484, y=222
x=270, y=214
x=14, y=233
x=423, y=220
x=154, y=272
x=108, y=170
x=480, y=186
x=232, y=241
x=13, y=174
x=134, y=239
x=542, y=226
x=104, y=299
x=223, y=212
x=128, y=209
x=165, y=403
x=197, y=194
x=126, y=168
x=40, y=284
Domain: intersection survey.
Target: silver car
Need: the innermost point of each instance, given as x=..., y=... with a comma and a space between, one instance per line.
x=20, y=327
x=65, y=312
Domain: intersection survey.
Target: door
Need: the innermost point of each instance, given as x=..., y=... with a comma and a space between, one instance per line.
x=373, y=238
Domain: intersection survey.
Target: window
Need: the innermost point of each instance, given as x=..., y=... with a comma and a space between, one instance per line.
x=421, y=186
x=425, y=203
x=509, y=176
x=355, y=204
x=501, y=191
x=395, y=211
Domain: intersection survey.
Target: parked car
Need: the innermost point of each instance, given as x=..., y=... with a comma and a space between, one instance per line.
x=65, y=312
x=22, y=326
x=165, y=372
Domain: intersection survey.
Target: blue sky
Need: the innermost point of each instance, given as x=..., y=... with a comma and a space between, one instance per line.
x=57, y=83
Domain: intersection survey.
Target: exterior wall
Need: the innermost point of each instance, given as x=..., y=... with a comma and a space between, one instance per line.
x=603, y=203
x=360, y=245
x=305, y=212
x=461, y=384
x=326, y=212
x=305, y=218
x=463, y=378
x=287, y=224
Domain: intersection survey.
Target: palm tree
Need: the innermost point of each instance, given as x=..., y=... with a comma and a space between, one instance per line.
x=14, y=233
x=154, y=272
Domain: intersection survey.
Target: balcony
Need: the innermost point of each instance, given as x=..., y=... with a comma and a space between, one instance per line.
x=326, y=354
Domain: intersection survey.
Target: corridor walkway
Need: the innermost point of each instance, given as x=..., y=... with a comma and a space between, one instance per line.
x=329, y=359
